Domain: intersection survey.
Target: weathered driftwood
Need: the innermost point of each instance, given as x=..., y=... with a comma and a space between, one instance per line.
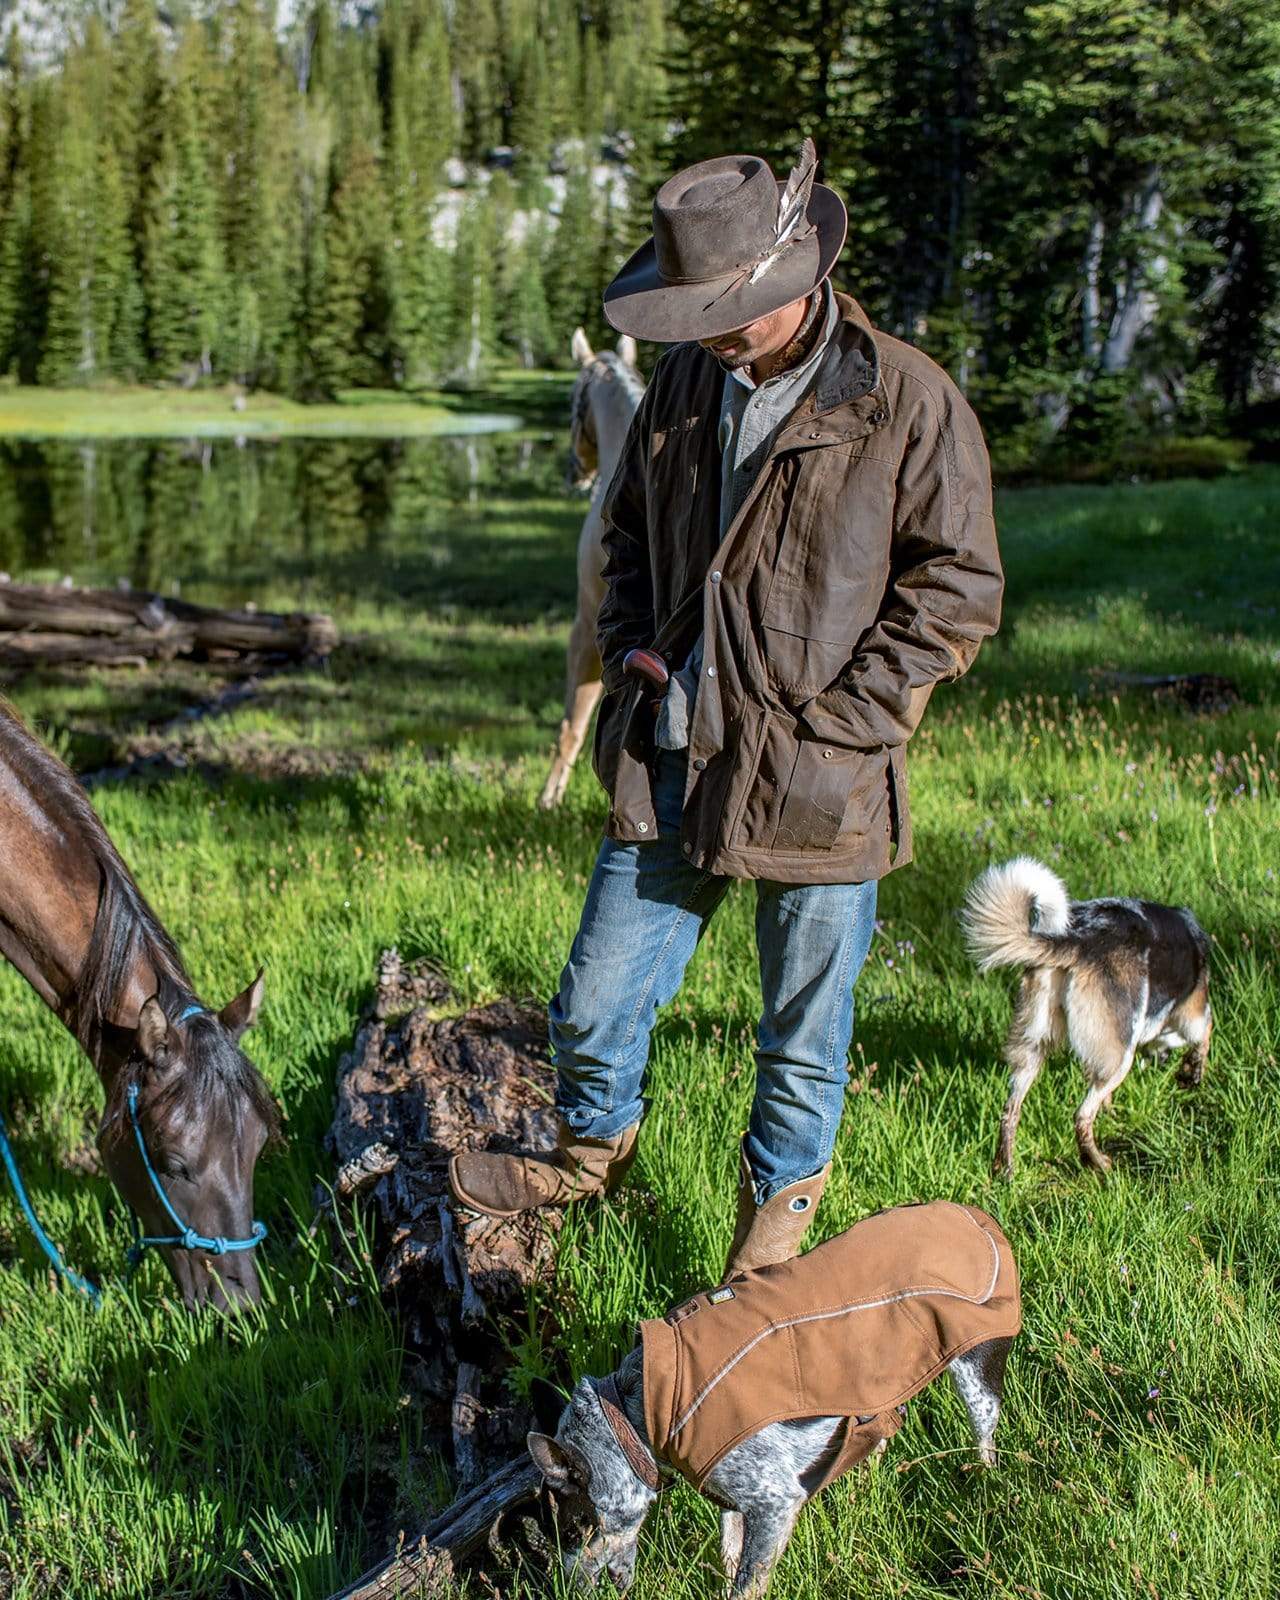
x=426, y=1565
x=417, y=1086
x=56, y=623
x=131, y=647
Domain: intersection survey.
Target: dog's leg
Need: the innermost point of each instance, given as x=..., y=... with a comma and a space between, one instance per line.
x=1029, y=1038
x=1100, y=1091
x=766, y=1529
x=1195, y=1024
x=979, y=1380
x=731, y=1530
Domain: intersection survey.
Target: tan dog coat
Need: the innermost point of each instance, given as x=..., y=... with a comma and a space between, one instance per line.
x=852, y=1329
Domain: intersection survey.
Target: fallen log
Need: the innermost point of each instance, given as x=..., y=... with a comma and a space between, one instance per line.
x=426, y=1565
x=1208, y=693
x=152, y=625
x=130, y=647
x=417, y=1086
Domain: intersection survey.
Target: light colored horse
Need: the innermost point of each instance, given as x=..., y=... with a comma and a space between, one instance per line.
x=605, y=397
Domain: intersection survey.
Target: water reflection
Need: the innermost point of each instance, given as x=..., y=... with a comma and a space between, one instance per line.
x=312, y=520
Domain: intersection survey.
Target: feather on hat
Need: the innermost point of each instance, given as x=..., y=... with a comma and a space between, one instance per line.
x=731, y=243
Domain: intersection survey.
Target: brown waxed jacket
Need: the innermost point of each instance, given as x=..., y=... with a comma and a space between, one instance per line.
x=861, y=570
x=851, y=1329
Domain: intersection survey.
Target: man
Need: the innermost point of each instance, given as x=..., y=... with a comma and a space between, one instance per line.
x=800, y=532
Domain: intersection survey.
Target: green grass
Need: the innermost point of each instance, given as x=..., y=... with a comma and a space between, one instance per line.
x=391, y=800
x=209, y=413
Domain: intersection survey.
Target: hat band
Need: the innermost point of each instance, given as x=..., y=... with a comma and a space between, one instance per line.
x=739, y=267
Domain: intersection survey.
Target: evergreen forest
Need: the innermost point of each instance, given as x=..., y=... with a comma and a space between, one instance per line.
x=1074, y=205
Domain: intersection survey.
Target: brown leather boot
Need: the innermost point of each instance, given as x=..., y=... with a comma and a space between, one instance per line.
x=504, y=1185
x=767, y=1234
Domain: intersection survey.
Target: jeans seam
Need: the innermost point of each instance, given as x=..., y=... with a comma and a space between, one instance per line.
x=846, y=954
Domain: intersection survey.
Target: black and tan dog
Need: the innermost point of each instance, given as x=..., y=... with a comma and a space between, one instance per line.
x=1108, y=975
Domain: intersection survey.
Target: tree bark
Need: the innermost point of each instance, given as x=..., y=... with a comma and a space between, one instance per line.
x=426, y=1565
x=1136, y=303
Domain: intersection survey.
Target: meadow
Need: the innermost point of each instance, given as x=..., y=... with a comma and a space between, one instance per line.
x=390, y=800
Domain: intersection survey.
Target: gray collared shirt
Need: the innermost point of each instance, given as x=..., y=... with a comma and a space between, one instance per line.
x=750, y=416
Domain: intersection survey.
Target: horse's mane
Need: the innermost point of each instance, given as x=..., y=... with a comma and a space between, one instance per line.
x=125, y=929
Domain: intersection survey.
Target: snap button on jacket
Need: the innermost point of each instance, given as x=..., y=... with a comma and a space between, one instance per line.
x=851, y=1329
x=860, y=570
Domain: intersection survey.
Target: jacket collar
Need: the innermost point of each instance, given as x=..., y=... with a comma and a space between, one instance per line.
x=848, y=399
x=850, y=370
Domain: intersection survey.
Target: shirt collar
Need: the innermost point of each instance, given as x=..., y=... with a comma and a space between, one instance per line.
x=831, y=314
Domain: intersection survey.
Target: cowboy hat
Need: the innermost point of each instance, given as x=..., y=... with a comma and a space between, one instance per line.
x=730, y=243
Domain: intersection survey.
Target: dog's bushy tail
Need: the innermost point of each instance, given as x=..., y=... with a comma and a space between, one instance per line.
x=998, y=912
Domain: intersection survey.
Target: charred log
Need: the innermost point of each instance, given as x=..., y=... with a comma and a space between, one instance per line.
x=418, y=1086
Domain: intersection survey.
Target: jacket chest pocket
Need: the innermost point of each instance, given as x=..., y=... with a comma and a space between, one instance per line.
x=833, y=552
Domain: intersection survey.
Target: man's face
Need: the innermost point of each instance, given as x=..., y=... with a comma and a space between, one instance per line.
x=743, y=347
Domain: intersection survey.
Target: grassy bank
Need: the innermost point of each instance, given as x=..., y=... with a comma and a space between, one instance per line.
x=390, y=800
x=213, y=413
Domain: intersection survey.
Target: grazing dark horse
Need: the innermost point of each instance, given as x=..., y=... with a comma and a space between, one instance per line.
x=76, y=926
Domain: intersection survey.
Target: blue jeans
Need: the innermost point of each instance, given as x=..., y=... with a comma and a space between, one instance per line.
x=645, y=911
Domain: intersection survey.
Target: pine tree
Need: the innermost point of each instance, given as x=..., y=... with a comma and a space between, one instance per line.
x=81, y=224
x=526, y=322
x=261, y=219
x=571, y=268
x=349, y=340
x=419, y=132
x=472, y=323
x=182, y=254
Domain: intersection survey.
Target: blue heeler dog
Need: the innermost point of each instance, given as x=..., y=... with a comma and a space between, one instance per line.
x=764, y=1390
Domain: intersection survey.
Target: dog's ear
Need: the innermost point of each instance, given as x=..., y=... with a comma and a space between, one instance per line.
x=563, y=1467
x=547, y=1403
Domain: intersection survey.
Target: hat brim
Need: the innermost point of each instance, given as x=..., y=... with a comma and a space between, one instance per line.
x=642, y=303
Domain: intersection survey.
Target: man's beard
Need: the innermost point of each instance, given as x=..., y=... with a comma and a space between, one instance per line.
x=736, y=363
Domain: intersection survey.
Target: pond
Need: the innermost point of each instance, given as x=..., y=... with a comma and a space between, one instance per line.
x=297, y=521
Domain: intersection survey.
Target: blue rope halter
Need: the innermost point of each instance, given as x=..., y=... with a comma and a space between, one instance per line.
x=186, y=1237
x=90, y=1290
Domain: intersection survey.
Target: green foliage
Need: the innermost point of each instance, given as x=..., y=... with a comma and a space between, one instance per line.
x=204, y=198
x=1046, y=197
x=182, y=251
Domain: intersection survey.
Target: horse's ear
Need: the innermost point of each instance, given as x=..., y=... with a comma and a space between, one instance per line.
x=626, y=348
x=242, y=1012
x=580, y=346
x=153, y=1032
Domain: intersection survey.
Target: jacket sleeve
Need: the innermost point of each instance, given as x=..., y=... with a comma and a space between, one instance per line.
x=944, y=590
x=626, y=612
